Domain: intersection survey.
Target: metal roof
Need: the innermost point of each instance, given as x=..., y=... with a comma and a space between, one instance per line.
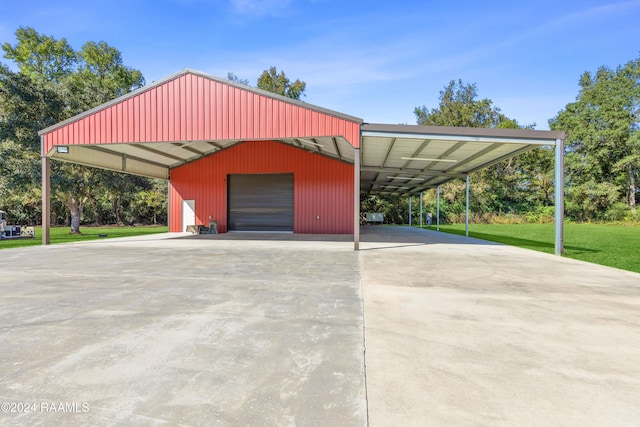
x=408, y=159
x=206, y=76
x=190, y=115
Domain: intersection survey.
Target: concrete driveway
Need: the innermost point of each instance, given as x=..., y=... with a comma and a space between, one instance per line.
x=272, y=330
x=149, y=331
x=463, y=332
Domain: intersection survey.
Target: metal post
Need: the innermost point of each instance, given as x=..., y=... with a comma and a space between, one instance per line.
x=438, y=210
x=356, y=199
x=466, y=217
x=46, y=200
x=421, y=209
x=169, y=204
x=559, y=197
x=410, y=210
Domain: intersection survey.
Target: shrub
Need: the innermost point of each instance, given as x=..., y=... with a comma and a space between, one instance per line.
x=541, y=215
x=618, y=212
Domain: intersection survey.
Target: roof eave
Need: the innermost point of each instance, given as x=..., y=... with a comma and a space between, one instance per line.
x=469, y=132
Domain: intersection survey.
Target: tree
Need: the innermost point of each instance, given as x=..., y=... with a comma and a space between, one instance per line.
x=603, y=138
x=459, y=106
x=234, y=78
x=26, y=106
x=41, y=57
x=517, y=185
x=100, y=77
x=272, y=81
x=53, y=84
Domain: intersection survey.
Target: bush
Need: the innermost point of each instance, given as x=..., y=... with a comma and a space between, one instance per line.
x=541, y=215
x=619, y=212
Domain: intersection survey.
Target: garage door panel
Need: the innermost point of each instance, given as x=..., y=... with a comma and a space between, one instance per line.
x=260, y=202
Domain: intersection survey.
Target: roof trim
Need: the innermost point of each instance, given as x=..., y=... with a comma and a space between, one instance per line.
x=206, y=76
x=545, y=137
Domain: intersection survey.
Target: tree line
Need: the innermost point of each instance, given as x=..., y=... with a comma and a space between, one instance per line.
x=602, y=157
x=54, y=82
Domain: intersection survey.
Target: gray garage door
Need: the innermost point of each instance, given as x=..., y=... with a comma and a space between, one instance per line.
x=260, y=202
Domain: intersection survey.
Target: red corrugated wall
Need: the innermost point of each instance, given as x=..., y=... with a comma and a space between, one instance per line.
x=323, y=187
x=192, y=107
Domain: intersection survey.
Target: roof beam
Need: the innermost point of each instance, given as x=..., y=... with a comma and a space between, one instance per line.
x=158, y=152
x=391, y=144
x=123, y=155
x=418, y=151
x=191, y=149
x=416, y=173
x=214, y=144
x=92, y=165
x=426, y=185
x=451, y=150
x=421, y=188
x=505, y=157
x=309, y=144
x=318, y=145
x=480, y=153
x=372, y=182
x=335, y=145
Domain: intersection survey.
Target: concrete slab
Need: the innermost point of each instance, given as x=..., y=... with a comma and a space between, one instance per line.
x=463, y=332
x=268, y=330
x=150, y=331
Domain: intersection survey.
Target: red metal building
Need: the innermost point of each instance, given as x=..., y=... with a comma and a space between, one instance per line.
x=252, y=160
x=322, y=188
x=198, y=131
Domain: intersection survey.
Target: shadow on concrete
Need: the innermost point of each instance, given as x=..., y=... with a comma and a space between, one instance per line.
x=271, y=236
x=396, y=236
x=383, y=237
x=371, y=237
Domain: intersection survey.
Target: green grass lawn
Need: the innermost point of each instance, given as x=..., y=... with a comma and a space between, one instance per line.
x=61, y=235
x=613, y=245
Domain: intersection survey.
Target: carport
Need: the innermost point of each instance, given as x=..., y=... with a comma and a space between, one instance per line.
x=406, y=159
x=207, y=135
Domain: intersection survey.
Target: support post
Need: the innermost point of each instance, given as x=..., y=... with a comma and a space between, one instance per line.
x=466, y=217
x=356, y=199
x=46, y=199
x=438, y=210
x=169, y=204
x=421, y=210
x=410, y=210
x=559, y=197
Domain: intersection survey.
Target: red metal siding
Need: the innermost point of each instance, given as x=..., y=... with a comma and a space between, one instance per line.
x=323, y=188
x=194, y=107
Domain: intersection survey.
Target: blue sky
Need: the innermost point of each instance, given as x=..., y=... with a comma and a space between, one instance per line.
x=376, y=60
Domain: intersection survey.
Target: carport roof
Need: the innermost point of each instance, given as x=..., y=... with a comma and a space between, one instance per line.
x=408, y=159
